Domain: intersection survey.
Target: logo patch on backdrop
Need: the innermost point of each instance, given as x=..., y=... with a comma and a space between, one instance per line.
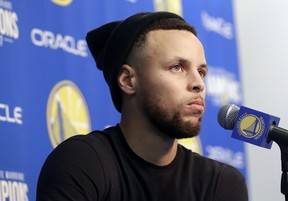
x=67, y=112
x=9, y=30
x=62, y=2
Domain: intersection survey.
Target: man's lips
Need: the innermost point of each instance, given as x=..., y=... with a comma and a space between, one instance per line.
x=198, y=105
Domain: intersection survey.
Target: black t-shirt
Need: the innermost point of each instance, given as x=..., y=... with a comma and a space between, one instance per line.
x=101, y=166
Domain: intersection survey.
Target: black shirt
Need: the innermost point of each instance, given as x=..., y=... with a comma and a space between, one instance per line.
x=101, y=166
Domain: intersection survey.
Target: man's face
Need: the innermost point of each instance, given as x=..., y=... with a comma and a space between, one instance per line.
x=171, y=88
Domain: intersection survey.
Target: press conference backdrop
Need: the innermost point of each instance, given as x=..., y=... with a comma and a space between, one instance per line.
x=50, y=88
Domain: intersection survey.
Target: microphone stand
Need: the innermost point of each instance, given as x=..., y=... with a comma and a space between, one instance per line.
x=280, y=136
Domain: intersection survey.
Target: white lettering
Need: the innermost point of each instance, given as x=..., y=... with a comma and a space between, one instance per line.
x=226, y=155
x=67, y=43
x=218, y=25
x=4, y=190
x=5, y=114
x=8, y=24
x=18, y=115
x=82, y=47
x=13, y=191
x=14, y=175
x=1, y=174
x=50, y=38
x=223, y=87
x=36, y=37
x=6, y=4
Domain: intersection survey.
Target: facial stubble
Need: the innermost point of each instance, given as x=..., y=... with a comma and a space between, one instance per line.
x=172, y=125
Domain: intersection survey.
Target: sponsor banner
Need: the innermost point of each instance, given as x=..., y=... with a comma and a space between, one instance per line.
x=51, y=88
x=13, y=186
x=56, y=41
x=11, y=115
x=9, y=31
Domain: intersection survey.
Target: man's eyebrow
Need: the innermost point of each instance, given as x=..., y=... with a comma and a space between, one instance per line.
x=186, y=61
x=204, y=66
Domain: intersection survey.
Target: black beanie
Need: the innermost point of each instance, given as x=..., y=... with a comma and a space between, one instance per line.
x=111, y=43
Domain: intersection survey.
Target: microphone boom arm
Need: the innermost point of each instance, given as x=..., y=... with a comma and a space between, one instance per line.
x=280, y=136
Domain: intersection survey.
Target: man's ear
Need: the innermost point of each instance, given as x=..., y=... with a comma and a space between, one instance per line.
x=126, y=79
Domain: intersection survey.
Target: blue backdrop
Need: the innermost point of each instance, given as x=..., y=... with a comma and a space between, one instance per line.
x=50, y=88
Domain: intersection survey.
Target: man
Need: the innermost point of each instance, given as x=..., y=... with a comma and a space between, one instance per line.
x=155, y=68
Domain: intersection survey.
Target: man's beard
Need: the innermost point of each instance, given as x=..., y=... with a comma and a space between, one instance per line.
x=171, y=125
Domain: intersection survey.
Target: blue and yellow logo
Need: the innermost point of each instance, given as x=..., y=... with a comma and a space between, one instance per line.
x=251, y=126
x=62, y=2
x=67, y=112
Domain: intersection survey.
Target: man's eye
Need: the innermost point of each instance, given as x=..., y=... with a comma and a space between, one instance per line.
x=177, y=68
x=202, y=74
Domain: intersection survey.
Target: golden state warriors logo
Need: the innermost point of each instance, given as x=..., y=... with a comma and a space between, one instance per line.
x=251, y=126
x=193, y=144
x=62, y=2
x=67, y=112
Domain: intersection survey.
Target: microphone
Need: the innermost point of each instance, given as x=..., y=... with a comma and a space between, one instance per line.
x=252, y=126
x=257, y=128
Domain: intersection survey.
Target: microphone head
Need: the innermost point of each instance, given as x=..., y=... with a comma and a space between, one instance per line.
x=227, y=116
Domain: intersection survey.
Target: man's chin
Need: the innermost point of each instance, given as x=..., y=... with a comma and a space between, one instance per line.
x=186, y=131
x=186, y=135
x=189, y=135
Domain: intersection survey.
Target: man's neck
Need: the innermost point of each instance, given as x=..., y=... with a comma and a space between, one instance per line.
x=148, y=143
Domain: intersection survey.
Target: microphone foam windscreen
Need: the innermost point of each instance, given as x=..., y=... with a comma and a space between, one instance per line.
x=227, y=116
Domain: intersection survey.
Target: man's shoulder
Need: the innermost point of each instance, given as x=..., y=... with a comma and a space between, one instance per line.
x=204, y=165
x=86, y=158
x=214, y=165
x=96, y=137
x=229, y=182
x=223, y=180
x=96, y=143
x=86, y=151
